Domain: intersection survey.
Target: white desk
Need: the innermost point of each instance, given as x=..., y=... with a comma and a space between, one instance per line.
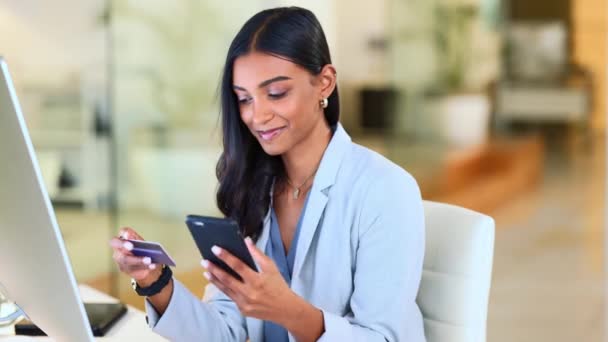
x=131, y=327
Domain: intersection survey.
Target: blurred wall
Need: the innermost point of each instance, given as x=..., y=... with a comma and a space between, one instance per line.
x=589, y=43
x=49, y=44
x=359, y=24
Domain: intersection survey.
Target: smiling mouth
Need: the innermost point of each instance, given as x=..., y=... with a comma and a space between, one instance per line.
x=270, y=134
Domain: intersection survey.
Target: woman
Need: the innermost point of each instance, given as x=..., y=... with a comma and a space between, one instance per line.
x=337, y=231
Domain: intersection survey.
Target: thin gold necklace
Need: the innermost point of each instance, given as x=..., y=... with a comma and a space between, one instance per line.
x=296, y=191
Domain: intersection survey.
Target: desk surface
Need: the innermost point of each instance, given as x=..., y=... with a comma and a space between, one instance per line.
x=131, y=327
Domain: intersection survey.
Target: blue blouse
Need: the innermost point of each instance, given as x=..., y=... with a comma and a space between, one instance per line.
x=276, y=251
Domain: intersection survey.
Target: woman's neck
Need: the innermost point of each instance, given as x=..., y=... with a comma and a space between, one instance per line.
x=304, y=158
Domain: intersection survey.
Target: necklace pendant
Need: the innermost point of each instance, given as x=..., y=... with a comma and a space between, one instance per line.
x=296, y=193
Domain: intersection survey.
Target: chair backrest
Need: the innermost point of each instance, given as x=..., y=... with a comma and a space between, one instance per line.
x=457, y=273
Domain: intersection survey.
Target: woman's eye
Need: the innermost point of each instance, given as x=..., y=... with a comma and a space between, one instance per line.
x=277, y=95
x=244, y=100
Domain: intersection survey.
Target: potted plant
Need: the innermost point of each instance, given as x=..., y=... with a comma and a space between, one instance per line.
x=461, y=106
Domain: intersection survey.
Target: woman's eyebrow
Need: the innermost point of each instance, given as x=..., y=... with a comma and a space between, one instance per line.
x=265, y=83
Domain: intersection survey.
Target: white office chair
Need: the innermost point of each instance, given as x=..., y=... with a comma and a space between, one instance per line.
x=455, y=286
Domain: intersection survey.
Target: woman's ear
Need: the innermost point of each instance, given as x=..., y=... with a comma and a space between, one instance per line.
x=328, y=78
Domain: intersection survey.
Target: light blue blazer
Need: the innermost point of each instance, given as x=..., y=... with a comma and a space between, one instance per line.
x=358, y=259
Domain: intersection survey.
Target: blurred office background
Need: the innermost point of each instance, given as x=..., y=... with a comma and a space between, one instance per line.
x=495, y=105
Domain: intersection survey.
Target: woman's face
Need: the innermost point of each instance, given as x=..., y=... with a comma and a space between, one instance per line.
x=279, y=100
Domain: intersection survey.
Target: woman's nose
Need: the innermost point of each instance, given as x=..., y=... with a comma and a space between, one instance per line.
x=261, y=114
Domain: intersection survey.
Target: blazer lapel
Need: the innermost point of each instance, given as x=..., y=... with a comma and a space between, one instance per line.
x=310, y=221
x=254, y=325
x=325, y=178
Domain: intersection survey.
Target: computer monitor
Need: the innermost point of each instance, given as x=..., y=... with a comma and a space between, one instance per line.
x=34, y=266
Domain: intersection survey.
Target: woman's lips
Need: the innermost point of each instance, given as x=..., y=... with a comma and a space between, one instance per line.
x=271, y=133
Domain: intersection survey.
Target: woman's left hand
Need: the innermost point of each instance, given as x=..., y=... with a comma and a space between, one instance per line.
x=264, y=295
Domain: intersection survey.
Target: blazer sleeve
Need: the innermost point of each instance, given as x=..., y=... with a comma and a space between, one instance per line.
x=187, y=318
x=388, y=266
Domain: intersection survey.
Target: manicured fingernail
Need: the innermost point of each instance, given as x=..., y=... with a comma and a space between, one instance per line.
x=128, y=246
x=207, y=275
x=205, y=263
x=248, y=241
x=147, y=260
x=216, y=250
x=152, y=266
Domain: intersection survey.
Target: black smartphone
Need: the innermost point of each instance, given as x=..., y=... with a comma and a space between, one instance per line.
x=209, y=231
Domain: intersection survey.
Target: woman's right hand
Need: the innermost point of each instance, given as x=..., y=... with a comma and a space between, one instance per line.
x=139, y=268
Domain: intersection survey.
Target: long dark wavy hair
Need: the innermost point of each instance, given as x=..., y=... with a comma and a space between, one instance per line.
x=245, y=172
